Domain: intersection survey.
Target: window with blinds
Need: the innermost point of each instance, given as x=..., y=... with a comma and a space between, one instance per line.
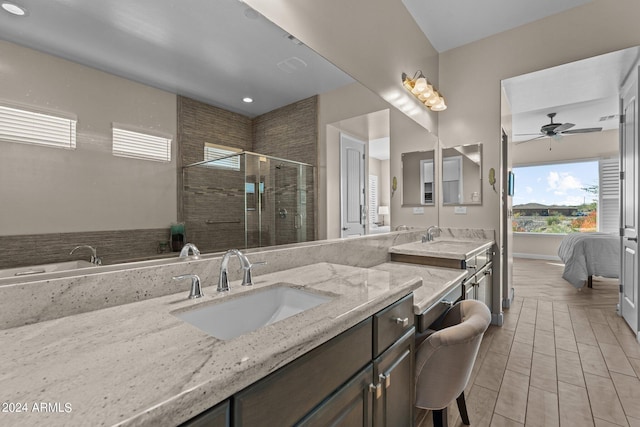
x=138, y=145
x=29, y=127
x=373, y=199
x=221, y=157
x=609, y=196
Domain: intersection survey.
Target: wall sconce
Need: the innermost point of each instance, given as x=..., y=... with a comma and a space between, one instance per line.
x=382, y=211
x=426, y=93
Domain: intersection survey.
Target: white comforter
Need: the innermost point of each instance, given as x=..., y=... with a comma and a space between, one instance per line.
x=589, y=254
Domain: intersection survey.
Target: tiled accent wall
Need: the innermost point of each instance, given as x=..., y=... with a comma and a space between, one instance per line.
x=111, y=246
x=213, y=199
x=290, y=132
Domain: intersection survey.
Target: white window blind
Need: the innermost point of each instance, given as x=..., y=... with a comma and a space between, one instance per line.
x=138, y=145
x=608, y=196
x=28, y=127
x=373, y=199
x=221, y=157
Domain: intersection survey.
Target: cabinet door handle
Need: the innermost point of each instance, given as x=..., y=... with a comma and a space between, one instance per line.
x=404, y=322
x=377, y=389
x=386, y=379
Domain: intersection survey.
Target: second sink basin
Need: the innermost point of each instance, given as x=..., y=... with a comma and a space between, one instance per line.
x=237, y=316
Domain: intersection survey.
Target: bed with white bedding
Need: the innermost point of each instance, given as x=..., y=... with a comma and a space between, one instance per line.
x=589, y=254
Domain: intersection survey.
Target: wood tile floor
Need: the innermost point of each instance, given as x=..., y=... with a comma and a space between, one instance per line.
x=562, y=358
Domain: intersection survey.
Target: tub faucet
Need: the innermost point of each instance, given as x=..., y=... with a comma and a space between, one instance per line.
x=196, y=290
x=430, y=232
x=95, y=259
x=184, y=253
x=247, y=280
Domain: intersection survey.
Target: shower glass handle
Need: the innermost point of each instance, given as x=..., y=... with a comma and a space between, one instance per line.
x=297, y=221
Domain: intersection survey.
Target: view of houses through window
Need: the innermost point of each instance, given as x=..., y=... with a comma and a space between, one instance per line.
x=566, y=197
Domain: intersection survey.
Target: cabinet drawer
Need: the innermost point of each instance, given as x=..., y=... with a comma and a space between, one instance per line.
x=391, y=323
x=431, y=314
x=288, y=394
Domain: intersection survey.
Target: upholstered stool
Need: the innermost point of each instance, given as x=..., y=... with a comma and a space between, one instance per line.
x=445, y=358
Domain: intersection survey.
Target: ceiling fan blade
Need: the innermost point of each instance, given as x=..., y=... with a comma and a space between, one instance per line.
x=583, y=130
x=527, y=134
x=563, y=127
x=528, y=140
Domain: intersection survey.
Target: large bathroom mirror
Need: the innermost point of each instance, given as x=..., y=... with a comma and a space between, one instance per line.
x=462, y=175
x=418, y=178
x=143, y=66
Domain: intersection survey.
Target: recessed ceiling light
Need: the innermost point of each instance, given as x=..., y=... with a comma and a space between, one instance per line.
x=14, y=9
x=247, y=100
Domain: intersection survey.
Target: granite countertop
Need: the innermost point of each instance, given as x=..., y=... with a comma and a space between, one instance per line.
x=436, y=281
x=443, y=248
x=137, y=364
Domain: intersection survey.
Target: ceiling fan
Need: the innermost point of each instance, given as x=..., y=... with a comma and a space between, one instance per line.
x=555, y=130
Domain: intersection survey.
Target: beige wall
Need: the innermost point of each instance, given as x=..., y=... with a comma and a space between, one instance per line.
x=49, y=190
x=537, y=246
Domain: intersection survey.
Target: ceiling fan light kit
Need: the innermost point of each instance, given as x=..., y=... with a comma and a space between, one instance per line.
x=556, y=130
x=424, y=92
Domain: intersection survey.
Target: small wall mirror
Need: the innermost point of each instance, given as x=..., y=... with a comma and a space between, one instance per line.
x=462, y=175
x=418, y=178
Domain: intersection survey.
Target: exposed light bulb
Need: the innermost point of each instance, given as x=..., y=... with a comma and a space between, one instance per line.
x=421, y=84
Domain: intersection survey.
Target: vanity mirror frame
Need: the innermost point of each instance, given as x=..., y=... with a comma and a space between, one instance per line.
x=466, y=157
x=417, y=168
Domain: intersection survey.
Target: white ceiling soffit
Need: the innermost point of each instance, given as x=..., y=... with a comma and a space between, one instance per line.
x=580, y=92
x=215, y=51
x=380, y=148
x=453, y=23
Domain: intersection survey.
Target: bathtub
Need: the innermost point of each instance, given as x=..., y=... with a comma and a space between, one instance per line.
x=44, y=268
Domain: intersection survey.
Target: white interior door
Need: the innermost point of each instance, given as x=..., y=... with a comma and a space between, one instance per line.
x=452, y=179
x=629, y=202
x=353, y=209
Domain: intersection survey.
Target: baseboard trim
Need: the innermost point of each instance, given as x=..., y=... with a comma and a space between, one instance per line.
x=537, y=256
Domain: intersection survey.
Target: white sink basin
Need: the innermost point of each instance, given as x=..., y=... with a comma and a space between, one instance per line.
x=237, y=316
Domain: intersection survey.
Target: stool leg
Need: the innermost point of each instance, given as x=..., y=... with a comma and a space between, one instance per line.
x=440, y=418
x=462, y=407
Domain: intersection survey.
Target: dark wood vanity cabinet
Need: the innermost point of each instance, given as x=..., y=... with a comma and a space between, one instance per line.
x=362, y=377
x=393, y=394
x=218, y=416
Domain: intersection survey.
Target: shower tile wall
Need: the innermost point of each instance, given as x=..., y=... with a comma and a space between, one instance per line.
x=289, y=132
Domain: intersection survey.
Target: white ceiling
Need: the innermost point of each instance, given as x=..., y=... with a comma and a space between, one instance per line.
x=215, y=51
x=453, y=23
x=580, y=92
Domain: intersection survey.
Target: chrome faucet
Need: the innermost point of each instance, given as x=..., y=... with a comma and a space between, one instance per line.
x=94, y=257
x=196, y=290
x=430, y=232
x=247, y=280
x=184, y=253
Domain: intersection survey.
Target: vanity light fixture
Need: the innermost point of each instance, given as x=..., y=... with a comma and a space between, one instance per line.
x=424, y=92
x=14, y=9
x=247, y=100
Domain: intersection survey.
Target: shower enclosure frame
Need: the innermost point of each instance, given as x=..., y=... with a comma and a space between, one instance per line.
x=278, y=201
